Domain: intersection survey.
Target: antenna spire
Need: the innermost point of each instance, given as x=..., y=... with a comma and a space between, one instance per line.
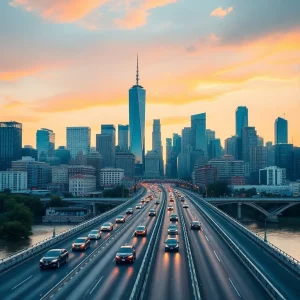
x=137, y=70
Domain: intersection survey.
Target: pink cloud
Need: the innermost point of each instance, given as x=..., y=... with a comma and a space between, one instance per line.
x=220, y=12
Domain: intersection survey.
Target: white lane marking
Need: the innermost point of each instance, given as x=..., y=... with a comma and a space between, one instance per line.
x=21, y=282
x=217, y=256
x=234, y=287
x=96, y=285
x=207, y=238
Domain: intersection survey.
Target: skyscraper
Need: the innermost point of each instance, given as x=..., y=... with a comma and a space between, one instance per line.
x=184, y=157
x=284, y=158
x=198, y=132
x=241, y=119
x=45, y=143
x=231, y=146
x=157, y=144
x=10, y=143
x=106, y=145
x=215, y=149
x=281, y=131
x=123, y=131
x=210, y=135
x=137, y=106
x=249, y=140
x=78, y=139
x=169, y=157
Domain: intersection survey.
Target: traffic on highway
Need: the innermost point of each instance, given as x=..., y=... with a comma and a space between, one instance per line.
x=160, y=247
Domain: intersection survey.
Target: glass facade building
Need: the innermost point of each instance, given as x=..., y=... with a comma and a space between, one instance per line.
x=281, y=131
x=123, y=133
x=241, y=120
x=198, y=132
x=137, y=107
x=45, y=143
x=78, y=140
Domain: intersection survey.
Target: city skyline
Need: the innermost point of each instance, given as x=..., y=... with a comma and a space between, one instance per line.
x=219, y=69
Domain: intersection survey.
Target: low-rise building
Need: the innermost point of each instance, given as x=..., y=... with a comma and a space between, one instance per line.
x=15, y=181
x=81, y=185
x=205, y=175
x=60, y=174
x=111, y=176
x=272, y=176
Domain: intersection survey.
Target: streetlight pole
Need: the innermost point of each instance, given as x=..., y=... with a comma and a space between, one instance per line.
x=265, y=238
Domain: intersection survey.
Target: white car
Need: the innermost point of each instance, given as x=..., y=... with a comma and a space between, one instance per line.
x=95, y=234
x=185, y=206
x=108, y=226
x=138, y=206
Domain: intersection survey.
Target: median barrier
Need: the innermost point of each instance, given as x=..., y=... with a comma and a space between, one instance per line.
x=20, y=256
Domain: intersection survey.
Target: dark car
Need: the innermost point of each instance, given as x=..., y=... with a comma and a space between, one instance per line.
x=172, y=229
x=196, y=225
x=129, y=211
x=81, y=244
x=120, y=219
x=126, y=254
x=157, y=202
x=182, y=199
x=54, y=258
x=173, y=217
x=152, y=212
x=172, y=244
x=140, y=231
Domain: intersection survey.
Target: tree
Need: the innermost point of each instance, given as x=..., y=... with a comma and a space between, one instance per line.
x=14, y=230
x=22, y=214
x=56, y=201
x=218, y=189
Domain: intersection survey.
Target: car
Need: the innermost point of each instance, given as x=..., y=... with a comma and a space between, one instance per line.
x=170, y=207
x=143, y=200
x=182, y=199
x=126, y=254
x=141, y=230
x=147, y=200
x=129, y=211
x=171, y=200
x=173, y=217
x=196, y=225
x=172, y=244
x=95, y=234
x=185, y=206
x=54, y=258
x=138, y=206
x=152, y=212
x=155, y=196
x=172, y=229
x=107, y=226
x=81, y=244
x=157, y=202
x=120, y=219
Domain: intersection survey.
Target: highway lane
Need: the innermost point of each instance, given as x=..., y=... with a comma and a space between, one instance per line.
x=106, y=280
x=169, y=276
x=26, y=281
x=220, y=272
x=286, y=281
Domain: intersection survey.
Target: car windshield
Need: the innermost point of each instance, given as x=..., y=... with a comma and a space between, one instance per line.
x=152, y=210
x=52, y=253
x=173, y=215
x=195, y=222
x=80, y=240
x=120, y=217
x=171, y=242
x=106, y=224
x=140, y=228
x=94, y=232
x=125, y=250
x=129, y=208
x=172, y=227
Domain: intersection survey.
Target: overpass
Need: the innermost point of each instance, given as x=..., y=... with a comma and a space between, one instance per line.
x=280, y=205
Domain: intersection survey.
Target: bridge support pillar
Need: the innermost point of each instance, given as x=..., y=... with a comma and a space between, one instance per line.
x=239, y=210
x=94, y=209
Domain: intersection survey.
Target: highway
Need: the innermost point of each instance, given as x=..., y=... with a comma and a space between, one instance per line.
x=204, y=268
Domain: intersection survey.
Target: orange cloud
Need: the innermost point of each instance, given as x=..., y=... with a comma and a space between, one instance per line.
x=136, y=17
x=63, y=11
x=17, y=74
x=220, y=12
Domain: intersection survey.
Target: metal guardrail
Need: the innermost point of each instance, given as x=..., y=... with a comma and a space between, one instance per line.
x=16, y=258
x=262, y=279
x=287, y=259
x=138, y=288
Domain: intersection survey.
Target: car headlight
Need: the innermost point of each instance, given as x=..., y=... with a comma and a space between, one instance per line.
x=117, y=256
x=73, y=245
x=81, y=246
x=130, y=256
x=41, y=260
x=166, y=246
x=55, y=260
x=176, y=246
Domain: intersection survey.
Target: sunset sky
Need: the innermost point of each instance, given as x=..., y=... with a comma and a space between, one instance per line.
x=71, y=63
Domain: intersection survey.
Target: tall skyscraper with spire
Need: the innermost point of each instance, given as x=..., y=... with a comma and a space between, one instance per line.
x=137, y=107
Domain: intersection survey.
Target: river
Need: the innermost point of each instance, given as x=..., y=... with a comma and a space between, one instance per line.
x=40, y=233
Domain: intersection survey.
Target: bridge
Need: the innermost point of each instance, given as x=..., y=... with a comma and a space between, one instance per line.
x=224, y=260
x=280, y=205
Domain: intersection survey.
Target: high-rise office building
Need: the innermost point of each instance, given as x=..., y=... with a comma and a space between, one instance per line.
x=249, y=140
x=176, y=149
x=169, y=157
x=45, y=143
x=186, y=140
x=258, y=160
x=260, y=141
x=284, y=159
x=137, y=107
x=241, y=119
x=297, y=163
x=184, y=157
x=281, y=131
x=270, y=154
x=198, y=132
x=95, y=160
x=231, y=146
x=210, y=135
x=157, y=144
x=10, y=143
x=215, y=148
x=123, y=134
x=152, y=164
x=176, y=143
x=78, y=139
x=125, y=161
x=63, y=155
x=28, y=150
x=106, y=145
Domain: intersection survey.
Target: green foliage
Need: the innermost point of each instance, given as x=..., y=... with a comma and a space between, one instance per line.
x=56, y=201
x=218, y=189
x=14, y=230
x=21, y=213
x=117, y=192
